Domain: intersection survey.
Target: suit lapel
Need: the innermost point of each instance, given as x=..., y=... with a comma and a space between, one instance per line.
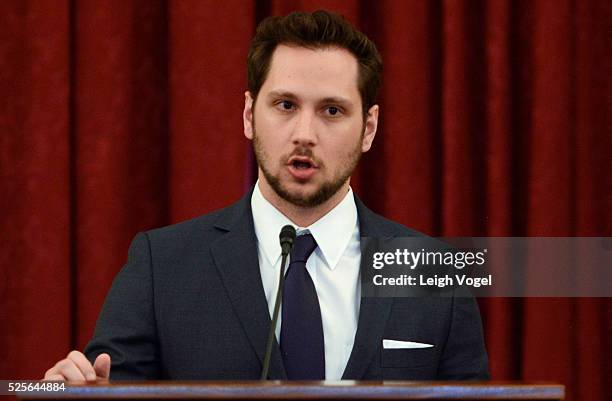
x=236, y=259
x=373, y=312
x=373, y=315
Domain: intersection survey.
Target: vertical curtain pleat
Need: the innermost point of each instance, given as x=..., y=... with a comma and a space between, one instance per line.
x=463, y=136
x=501, y=315
x=208, y=46
x=550, y=184
x=399, y=180
x=35, y=187
x=120, y=116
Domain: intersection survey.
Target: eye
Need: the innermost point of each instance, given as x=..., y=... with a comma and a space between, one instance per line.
x=285, y=105
x=333, y=111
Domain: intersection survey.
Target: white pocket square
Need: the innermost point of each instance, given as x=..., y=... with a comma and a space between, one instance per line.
x=396, y=344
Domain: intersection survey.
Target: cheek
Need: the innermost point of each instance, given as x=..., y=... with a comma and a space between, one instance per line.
x=274, y=130
x=271, y=145
x=344, y=140
x=336, y=153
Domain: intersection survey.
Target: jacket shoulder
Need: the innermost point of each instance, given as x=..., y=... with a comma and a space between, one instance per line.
x=194, y=232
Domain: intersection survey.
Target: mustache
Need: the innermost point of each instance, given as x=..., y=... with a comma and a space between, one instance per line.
x=302, y=151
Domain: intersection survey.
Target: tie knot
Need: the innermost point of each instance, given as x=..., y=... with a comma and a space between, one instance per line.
x=303, y=246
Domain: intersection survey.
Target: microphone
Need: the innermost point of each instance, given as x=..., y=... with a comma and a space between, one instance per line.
x=286, y=237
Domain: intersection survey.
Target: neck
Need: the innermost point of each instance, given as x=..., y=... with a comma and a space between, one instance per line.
x=300, y=215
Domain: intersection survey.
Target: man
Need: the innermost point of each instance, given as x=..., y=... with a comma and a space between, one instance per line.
x=194, y=300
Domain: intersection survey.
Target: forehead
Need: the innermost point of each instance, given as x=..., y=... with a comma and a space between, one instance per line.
x=318, y=73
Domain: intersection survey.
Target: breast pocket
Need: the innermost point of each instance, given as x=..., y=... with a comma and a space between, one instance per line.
x=408, y=358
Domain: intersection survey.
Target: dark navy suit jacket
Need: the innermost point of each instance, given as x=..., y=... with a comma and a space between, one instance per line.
x=190, y=304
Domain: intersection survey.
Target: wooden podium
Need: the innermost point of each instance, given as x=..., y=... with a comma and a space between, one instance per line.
x=278, y=390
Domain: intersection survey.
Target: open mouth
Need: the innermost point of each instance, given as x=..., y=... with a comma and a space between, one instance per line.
x=302, y=163
x=302, y=168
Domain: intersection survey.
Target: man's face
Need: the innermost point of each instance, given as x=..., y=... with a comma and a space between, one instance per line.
x=307, y=126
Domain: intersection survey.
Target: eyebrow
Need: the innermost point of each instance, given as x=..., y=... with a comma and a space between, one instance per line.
x=292, y=96
x=284, y=94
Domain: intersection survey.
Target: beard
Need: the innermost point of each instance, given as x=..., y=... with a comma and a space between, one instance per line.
x=324, y=191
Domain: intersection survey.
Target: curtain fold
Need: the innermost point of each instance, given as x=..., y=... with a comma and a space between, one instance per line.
x=36, y=206
x=119, y=143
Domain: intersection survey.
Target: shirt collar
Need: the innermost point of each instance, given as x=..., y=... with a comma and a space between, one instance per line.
x=332, y=231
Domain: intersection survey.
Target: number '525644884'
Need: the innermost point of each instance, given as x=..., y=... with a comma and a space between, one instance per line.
x=12, y=387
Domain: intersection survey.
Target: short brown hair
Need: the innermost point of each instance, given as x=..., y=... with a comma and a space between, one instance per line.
x=319, y=29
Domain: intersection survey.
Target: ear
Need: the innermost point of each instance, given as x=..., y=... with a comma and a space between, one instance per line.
x=247, y=115
x=371, y=124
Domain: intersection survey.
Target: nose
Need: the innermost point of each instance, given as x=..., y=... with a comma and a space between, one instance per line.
x=304, y=132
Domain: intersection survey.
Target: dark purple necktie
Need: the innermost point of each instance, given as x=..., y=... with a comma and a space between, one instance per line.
x=301, y=339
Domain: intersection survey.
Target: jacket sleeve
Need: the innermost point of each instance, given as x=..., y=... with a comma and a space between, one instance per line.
x=464, y=356
x=126, y=327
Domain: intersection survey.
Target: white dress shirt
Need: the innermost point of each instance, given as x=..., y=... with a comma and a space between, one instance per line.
x=333, y=267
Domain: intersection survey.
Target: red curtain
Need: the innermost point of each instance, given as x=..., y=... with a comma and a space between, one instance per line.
x=120, y=116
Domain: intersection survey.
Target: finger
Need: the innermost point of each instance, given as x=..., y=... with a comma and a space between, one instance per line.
x=83, y=364
x=53, y=376
x=102, y=366
x=69, y=370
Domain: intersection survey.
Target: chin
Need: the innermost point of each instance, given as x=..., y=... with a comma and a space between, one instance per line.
x=307, y=198
x=299, y=193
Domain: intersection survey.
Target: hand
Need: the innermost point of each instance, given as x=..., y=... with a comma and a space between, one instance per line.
x=76, y=367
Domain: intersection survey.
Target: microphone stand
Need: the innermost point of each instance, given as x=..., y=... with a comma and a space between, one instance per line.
x=287, y=237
